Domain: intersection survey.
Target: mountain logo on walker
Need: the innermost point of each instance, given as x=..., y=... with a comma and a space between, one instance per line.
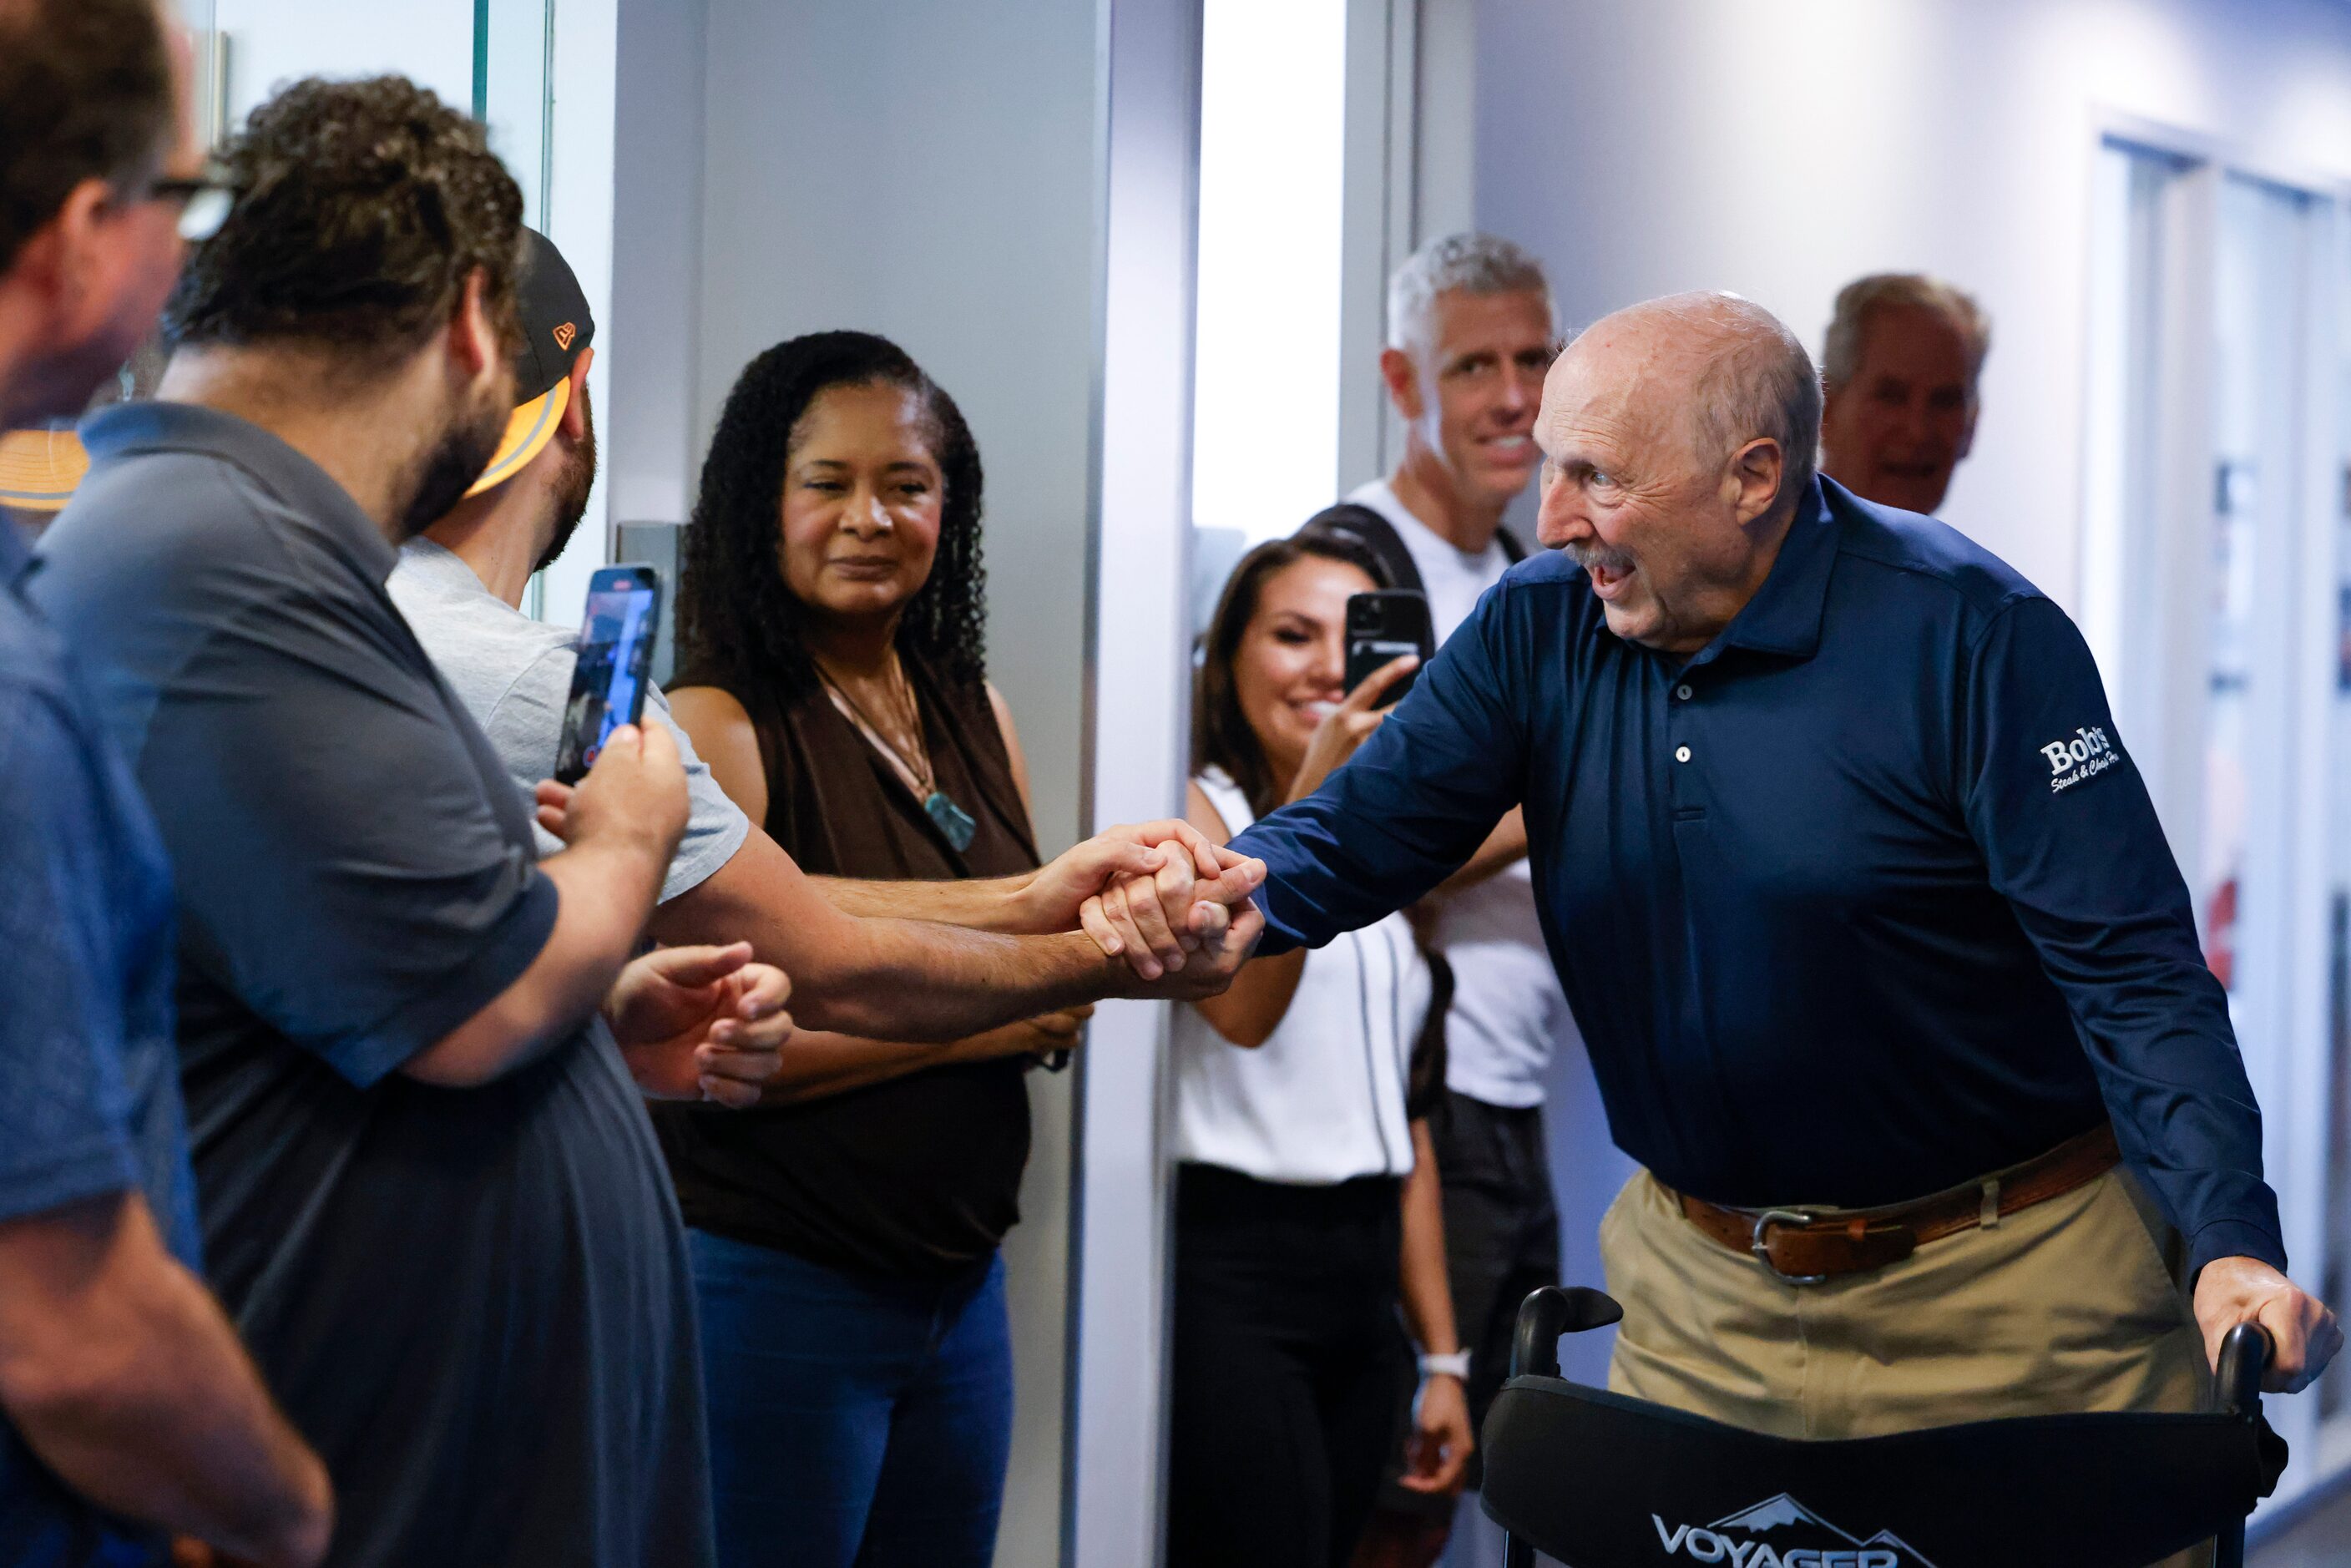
x=1782, y=1532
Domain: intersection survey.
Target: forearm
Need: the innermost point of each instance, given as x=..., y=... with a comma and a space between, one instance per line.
x=994, y=904
x=820, y=1064
x=604, y=891
x=883, y=977
x=904, y=980
x=1409, y=809
x=124, y=1374
x=1504, y=847
x=921, y=981
x=1427, y=1290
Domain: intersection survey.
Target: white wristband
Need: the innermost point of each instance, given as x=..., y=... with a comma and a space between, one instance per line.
x=1454, y=1365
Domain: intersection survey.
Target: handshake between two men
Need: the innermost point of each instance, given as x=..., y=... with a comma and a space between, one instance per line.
x=938, y=970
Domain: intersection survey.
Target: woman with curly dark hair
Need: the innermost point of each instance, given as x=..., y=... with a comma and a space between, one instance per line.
x=857, y=1353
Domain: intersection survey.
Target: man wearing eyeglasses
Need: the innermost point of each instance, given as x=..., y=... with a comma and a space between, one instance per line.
x=128, y=1409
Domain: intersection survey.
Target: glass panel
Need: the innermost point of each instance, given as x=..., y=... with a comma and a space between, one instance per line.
x=2254, y=410
x=514, y=48
x=2126, y=301
x=513, y=45
x=2334, y=1391
x=1265, y=453
x=265, y=44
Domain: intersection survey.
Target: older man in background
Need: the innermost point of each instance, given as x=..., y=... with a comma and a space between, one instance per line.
x=1887, y=974
x=127, y=1407
x=1904, y=358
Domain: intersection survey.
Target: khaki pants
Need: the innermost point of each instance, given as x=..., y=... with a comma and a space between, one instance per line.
x=2066, y=1306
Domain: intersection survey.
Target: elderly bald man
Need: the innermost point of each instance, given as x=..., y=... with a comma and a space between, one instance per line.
x=1888, y=976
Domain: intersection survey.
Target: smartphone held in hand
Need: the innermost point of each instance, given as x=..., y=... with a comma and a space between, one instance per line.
x=1387, y=625
x=615, y=654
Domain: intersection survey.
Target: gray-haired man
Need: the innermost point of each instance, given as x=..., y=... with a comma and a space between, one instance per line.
x=1470, y=333
x=1904, y=354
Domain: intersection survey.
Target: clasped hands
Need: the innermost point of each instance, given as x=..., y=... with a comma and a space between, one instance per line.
x=1159, y=895
x=709, y=1023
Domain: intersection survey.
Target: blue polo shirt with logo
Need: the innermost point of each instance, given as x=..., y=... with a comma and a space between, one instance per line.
x=1862, y=901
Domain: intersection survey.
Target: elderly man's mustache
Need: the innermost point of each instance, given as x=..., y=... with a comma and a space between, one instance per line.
x=1615, y=563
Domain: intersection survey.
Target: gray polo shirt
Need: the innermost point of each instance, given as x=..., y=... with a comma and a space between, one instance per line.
x=514, y=675
x=476, y=1303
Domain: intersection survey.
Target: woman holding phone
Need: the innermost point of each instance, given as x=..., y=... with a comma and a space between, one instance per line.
x=857, y=1353
x=1307, y=1209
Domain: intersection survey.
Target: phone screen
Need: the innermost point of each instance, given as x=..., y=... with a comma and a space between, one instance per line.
x=614, y=654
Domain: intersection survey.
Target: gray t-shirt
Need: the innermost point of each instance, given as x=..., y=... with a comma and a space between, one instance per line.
x=514, y=675
x=475, y=1303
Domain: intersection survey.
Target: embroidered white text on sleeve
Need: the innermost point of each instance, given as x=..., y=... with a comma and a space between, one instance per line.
x=2087, y=755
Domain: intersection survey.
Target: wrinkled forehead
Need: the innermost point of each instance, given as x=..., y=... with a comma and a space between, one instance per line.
x=1620, y=387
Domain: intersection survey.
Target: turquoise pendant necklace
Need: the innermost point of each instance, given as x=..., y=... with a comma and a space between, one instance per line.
x=955, y=824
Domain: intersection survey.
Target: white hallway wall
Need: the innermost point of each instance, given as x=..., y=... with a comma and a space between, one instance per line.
x=1781, y=150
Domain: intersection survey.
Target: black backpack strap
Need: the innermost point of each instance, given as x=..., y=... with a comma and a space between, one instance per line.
x=1362, y=528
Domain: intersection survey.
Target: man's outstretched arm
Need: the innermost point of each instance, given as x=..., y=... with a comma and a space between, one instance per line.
x=1051, y=898
x=1408, y=810
x=919, y=980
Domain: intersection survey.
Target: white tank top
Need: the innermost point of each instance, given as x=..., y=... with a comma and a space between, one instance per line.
x=1321, y=1100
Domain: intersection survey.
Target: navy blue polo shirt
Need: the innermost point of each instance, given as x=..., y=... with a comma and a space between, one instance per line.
x=475, y=1303
x=1862, y=901
x=89, y=1087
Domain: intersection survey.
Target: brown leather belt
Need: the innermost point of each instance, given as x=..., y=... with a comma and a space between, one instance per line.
x=1806, y=1247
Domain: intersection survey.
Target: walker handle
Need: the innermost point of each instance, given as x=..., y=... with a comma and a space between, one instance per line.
x=1543, y=1316
x=2237, y=1390
x=2244, y=1357
x=1549, y=1313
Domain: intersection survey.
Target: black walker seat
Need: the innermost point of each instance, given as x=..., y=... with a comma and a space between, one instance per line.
x=1598, y=1480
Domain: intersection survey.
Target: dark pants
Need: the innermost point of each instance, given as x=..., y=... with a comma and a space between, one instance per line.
x=1284, y=1367
x=1501, y=1230
x=852, y=1420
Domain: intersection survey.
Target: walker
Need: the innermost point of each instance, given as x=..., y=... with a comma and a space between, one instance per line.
x=1597, y=1481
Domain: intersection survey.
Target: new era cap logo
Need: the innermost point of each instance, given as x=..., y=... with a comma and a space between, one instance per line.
x=564, y=334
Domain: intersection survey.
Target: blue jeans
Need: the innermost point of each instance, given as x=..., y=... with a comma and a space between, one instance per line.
x=852, y=1420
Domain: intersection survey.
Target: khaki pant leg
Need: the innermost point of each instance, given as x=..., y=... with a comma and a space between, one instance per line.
x=1705, y=1330
x=2065, y=1306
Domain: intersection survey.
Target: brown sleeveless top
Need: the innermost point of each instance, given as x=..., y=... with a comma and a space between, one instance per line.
x=919, y=1176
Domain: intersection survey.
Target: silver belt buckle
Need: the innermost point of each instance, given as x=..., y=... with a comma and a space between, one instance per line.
x=1761, y=1247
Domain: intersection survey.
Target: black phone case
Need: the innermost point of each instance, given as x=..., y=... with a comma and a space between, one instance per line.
x=1386, y=625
